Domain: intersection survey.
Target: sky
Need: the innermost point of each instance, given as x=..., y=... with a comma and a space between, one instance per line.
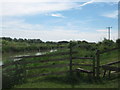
x=53, y=20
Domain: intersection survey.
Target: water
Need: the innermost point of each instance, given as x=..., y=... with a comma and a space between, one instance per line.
x=8, y=56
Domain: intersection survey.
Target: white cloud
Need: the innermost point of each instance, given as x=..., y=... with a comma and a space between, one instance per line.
x=19, y=9
x=57, y=15
x=20, y=29
x=113, y=14
x=89, y=2
x=93, y=1
x=31, y=7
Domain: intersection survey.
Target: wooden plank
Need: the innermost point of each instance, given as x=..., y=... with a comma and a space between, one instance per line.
x=60, y=53
x=83, y=70
x=82, y=58
x=101, y=52
x=111, y=63
x=76, y=64
x=43, y=61
x=45, y=74
x=47, y=66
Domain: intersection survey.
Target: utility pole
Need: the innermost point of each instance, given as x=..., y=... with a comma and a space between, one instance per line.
x=109, y=32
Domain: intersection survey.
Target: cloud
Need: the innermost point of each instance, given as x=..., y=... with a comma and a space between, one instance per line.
x=32, y=7
x=113, y=14
x=19, y=9
x=89, y=2
x=57, y=15
x=17, y=24
x=20, y=29
x=93, y=1
x=101, y=30
x=57, y=35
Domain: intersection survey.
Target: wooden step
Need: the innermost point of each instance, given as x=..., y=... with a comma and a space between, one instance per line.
x=83, y=70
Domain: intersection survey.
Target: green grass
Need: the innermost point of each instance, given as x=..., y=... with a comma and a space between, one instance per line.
x=63, y=81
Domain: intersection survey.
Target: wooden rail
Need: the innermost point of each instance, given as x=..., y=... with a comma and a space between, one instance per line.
x=101, y=52
x=42, y=61
x=111, y=63
x=52, y=73
x=47, y=66
x=56, y=65
x=60, y=53
x=45, y=74
x=82, y=58
x=76, y=64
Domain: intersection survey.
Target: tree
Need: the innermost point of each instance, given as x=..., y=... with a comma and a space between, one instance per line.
x=118, y=43
x=7, y=38
x=63, y=42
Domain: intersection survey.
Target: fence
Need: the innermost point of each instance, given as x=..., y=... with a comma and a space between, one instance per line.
x=20, y=65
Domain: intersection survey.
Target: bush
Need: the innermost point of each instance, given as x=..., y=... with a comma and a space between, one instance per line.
x=11, y=78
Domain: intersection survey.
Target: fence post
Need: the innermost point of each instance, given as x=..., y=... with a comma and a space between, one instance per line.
x=93, y=66
x=98, y=63
x=16, y=75
x=70, y=57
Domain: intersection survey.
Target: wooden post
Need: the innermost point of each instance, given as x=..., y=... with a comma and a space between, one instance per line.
x=16, y=75
x=98, y=64
x=24, y=73
x=94, y=67
x=70, y=57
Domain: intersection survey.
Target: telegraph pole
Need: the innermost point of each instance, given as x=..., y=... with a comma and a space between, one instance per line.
x=109, y=32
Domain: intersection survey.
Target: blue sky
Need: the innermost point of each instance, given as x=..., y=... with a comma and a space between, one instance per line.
x=56, y=21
